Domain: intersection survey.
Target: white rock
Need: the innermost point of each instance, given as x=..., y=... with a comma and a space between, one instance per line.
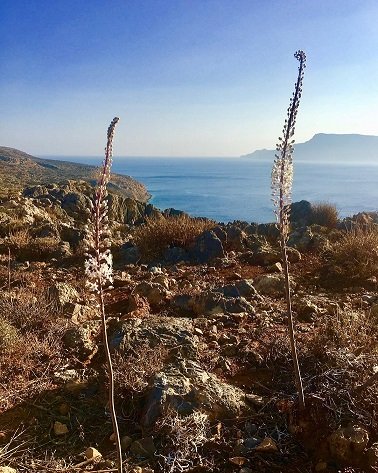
x=60, y=429
x=91, y=452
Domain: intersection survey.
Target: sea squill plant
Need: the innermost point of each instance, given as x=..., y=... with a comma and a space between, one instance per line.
x=99, y=267
x=282, y=181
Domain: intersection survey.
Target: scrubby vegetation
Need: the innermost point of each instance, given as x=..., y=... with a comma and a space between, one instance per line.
x=203, y=360
x=355, y=255
x=324, y=214
x=158, y=234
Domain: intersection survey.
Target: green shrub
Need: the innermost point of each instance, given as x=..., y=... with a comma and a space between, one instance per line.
x=324, y=214
x=158, y=234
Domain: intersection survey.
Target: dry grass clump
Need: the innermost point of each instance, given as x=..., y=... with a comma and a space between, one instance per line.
x=8, y=334
x=32, y=350
x=158, y=234
x=355, y=255
x=352, y=331
x=25, y=247
x=19, y=238
x=184, y=438
x=324, y=214
x=133, y=370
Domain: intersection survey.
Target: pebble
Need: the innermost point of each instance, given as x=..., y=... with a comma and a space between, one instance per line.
x=143, y=447
x=268, y=445
x=92, y=452
x=321, y=466
x=60, y=429
x=126, y=441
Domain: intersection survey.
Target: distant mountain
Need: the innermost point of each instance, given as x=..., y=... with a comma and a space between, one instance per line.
x=330, y=148
x=19, y=169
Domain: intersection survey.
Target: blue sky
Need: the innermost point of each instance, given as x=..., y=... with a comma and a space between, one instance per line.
x=186, y=77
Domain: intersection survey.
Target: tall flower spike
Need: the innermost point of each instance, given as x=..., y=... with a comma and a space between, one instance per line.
x=99, y=267
x=282, y=181
x=282, y=172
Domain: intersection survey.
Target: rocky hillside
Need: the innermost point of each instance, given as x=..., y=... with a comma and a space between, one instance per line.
x=198, y=334
x=18, y=169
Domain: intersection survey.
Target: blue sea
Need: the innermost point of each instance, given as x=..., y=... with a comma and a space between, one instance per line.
x=227, y=189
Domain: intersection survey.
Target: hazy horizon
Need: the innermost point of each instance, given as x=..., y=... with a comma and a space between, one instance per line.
x=191, y=79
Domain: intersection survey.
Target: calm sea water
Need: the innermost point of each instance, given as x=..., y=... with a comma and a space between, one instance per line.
x=227, y=189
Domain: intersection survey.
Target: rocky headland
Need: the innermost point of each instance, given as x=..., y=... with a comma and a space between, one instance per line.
x=198, y=334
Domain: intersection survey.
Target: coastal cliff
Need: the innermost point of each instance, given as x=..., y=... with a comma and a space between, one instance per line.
x=19, y=169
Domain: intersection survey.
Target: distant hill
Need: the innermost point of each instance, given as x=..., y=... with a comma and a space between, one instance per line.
x=331, y=148
x=19, y=169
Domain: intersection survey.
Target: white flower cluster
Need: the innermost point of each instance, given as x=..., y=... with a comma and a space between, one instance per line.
x=282, y=180
x=98, y=266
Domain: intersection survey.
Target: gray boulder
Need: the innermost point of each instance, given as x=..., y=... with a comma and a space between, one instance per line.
x=301, y=213
x=270, y=284
x=206, y=247
x=171, y=332
x=184, y=386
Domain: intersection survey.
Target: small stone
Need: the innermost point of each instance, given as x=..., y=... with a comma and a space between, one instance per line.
x=238, y=460
x=75, y=386
x=321, y=466
x=347, y=442
x=126, y=441
x=275, y=268
x=60, y=429
x=64, y=409
x=91, y=452
x=7, y=469
x=144, y=447
x=251, y=442
x=255, y=399
x=137, y=469
x=245, y=469
x=268, y=445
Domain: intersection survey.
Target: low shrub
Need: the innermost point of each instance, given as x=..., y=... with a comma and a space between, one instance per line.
x=8, y=334
x=355, y=255
x=158, y=234
x=324, y=214
x=353, y=332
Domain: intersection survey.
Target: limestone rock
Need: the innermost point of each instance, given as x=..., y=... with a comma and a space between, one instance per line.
x=268, y=445
x=270, y=284
x=79, y=339
x=7, y=469
x=130, y=334
x=62, y=293
x=347, y=443
x=60, y=429
x=209, y=302
x=185, y=386
x=92, y=452
x=153, y=292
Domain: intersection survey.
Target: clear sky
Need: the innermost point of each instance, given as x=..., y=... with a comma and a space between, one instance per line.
x=186, y=77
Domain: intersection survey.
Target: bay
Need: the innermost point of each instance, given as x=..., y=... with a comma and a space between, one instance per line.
x=227, y=189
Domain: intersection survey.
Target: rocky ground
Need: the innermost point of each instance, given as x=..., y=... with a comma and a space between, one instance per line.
x=204, y=377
